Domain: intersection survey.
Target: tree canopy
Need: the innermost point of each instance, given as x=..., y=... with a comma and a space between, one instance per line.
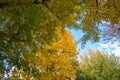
x=23, y=21
x=94, y=12
x=32, y=27
x=28, y=25
x=98, y=66
x=20, y=19
x=53, y=62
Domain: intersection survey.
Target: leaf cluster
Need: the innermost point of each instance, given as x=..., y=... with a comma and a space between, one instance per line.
x=99, y=66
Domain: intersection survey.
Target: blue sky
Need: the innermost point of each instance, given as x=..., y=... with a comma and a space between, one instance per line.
x=77, y=34
x=108, y=47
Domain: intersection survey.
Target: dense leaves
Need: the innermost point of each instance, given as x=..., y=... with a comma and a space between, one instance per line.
x=29, y=25
x=53, y=62
x=99, y=66
x=22, y=21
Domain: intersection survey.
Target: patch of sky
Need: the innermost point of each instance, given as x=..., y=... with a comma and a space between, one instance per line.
x=105, y=47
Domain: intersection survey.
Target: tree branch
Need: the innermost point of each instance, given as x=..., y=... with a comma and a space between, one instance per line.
x=12, y=4
x=51, y=10
x=97, y=4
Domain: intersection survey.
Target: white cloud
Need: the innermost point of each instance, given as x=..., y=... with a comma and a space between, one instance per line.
x=117, y=51
x=104, y=45
x=111, y=48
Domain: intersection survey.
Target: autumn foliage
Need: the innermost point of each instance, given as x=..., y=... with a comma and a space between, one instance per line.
x=34, y=42
x=52, y=62
x=98, y=66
